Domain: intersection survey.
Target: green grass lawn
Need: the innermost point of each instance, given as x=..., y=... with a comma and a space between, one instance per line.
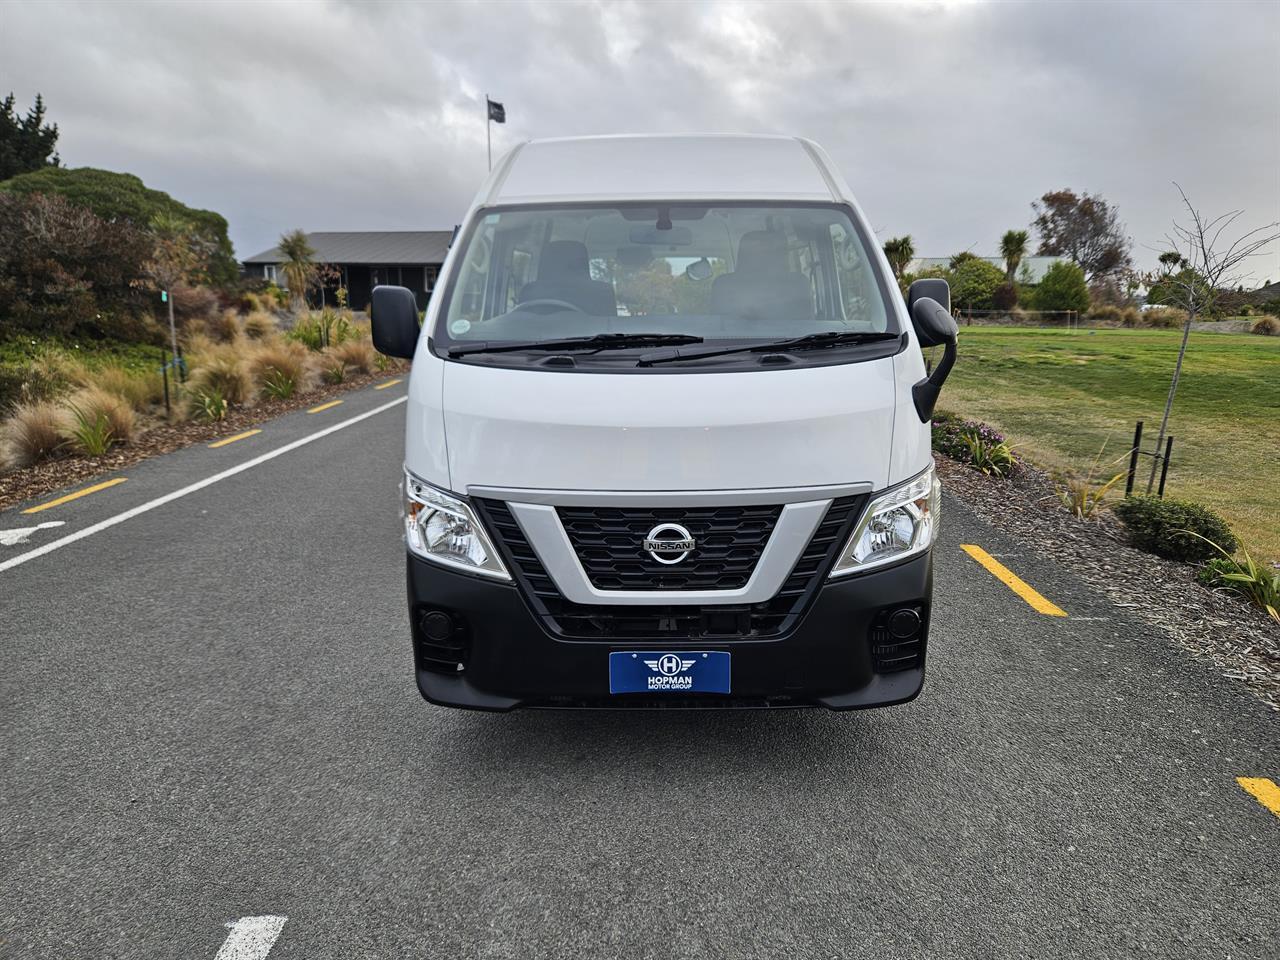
x=1059, y=395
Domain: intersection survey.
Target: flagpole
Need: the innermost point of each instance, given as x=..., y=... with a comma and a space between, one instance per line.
x=488, y=131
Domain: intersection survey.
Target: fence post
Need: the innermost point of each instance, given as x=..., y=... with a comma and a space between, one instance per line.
x=1133, y=459
x=164, y=371
x=1164, y=468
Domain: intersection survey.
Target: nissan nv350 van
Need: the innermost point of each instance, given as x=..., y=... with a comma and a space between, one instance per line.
x=667, y=436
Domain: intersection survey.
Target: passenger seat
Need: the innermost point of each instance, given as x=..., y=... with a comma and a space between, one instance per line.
x=762, y=285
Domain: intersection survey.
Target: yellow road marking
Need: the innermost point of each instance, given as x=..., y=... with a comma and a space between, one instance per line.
x=1013, y=582
x=239, y=436
x=389, y=383
x=324, y=406
x=1262, y=790
x=76, y=496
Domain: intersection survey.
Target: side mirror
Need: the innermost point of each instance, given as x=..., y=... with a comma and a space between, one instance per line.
x=393, y=313
x=934, y=324
x=932, y=288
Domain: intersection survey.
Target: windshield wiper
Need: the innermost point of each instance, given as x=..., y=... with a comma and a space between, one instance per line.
x=600, y=341
x=831, y=338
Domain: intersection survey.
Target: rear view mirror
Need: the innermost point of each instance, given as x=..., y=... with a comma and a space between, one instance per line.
x=934, y=324
x=393, y=313
x=931, y=288
x=653, y=237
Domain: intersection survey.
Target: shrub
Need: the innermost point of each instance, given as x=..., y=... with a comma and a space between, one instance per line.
x=1211, y=573
x=259, y=325
x=1106, y=313
x=1062, y=288
x=993, y=459
x=1175, y=529
x=974, y=443
x=29, y=381
x=332, y=369
x=64, y=270
x=226, y=373
x=1163, y=317
x=1083, y=496
x=223, y=325
x=355, y=354
x=1005, y=297
x=93, y=420
x=323, y=329
x=1266, y=326
x=206, y=402
x=1259, y=586
x=195, y=303
x=140, y=390
x=279, y=368
x=31, y=433
x=974, y=283
x=122, y=199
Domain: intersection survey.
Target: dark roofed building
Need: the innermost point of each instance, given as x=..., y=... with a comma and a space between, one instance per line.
x=364, y=259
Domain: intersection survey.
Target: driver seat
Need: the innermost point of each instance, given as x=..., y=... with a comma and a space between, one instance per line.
x=564, y=274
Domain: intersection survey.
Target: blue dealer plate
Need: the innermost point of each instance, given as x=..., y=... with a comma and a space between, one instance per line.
x=662, y=671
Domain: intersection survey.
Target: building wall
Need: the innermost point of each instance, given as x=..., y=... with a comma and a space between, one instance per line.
x=361, y=278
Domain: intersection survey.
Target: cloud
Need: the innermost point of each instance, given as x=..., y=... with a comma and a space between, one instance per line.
x=948, y=119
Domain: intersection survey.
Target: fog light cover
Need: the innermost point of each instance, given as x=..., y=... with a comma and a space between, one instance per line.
x=443, y=529
x=899, y=523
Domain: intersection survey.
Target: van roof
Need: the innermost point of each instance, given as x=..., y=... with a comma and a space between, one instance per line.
x=634, y=167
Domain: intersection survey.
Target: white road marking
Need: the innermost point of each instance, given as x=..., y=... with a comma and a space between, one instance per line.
x=251, y=938
x=11, y=538
x=192, y=488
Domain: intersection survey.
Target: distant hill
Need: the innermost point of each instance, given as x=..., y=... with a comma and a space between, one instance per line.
x=122, y=196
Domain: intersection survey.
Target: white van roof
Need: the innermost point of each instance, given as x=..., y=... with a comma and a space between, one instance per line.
x=632, y=167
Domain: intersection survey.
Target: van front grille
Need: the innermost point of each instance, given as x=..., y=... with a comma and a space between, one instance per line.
x=574, y=621
x=609, y=542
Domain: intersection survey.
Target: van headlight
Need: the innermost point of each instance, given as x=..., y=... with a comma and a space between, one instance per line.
x=444, y=529
x=899, y=523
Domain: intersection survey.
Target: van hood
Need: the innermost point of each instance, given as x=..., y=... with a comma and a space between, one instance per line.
x=816, y=426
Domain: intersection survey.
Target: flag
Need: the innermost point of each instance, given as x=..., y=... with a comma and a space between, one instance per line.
x=497, y=112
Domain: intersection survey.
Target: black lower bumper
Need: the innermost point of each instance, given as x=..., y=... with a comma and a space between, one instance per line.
x=505, y=658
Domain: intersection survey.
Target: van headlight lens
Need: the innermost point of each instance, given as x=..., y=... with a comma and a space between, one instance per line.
x=899, y=523
x=443, y=529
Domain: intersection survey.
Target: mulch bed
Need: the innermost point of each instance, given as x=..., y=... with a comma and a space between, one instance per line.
x=1213, y=625
x=160, y=437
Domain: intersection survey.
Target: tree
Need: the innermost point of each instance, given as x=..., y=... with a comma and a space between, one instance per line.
x=963, y=257
x=299, y=264
x=64, y=270
x=26, y=143
x=974, y=283
x=1063, y=288
x=1210, y=267
x=1013, y=247
x=899, y=251
x=119, y=197
x=180, y=255
x=1085, y=229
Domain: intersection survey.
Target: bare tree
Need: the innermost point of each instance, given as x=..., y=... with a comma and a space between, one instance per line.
x=180, y=255
x=1210, y=267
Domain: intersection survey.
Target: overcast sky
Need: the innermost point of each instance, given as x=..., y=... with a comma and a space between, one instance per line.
x=947, y=118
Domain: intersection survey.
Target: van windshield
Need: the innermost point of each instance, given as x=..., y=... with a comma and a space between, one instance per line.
x=720, y=273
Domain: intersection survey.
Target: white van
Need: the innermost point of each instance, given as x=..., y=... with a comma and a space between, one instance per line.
x=668, y=436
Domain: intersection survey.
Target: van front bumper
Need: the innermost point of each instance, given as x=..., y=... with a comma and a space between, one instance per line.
x=510, y=660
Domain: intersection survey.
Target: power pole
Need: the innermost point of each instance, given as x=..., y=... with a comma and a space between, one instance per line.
x=488, y=131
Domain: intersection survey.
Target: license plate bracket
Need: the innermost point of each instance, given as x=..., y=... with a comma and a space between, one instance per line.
x=669, y=671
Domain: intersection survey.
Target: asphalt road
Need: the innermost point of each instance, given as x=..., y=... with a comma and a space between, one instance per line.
x=207, y=713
